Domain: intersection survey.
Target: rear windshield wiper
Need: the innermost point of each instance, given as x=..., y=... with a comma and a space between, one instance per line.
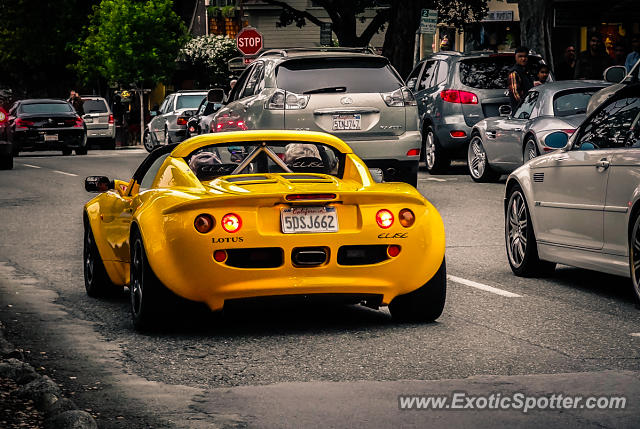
x=327, y=89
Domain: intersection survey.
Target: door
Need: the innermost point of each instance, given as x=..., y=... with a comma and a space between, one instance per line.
x=157, y=123
x=571, y=196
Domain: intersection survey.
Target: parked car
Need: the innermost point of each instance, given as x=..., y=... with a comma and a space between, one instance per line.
x=499, y=145
x=619, y=77
x=169, y=124
x=263, y=214
x=455, y=91
x=580, y=206
x=99, y=120
x=45, y=124
x=200, y=123
x=348, y=92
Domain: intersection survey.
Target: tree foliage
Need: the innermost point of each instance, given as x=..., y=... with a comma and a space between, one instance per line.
x=131, y=42
x=207, y=57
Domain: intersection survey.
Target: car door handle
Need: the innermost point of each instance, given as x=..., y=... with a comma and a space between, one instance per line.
x=517, y=129
x=603, y=163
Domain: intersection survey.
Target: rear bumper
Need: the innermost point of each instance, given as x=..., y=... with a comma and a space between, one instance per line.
x=453, y=145
x=387, y=149
x=33, y=140
x=95, y=133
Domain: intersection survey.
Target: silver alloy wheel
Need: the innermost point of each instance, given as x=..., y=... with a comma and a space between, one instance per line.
x=430, y=150
x=518, y=224
x=148, y=143
x=89, y=260
x=634, y=257
x=137, y=278
x=476, y=158
x=530, y=150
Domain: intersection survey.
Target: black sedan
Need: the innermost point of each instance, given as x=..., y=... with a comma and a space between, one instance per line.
x=45, y=124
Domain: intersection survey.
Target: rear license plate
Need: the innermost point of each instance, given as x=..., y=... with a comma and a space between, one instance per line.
x=51, y=137
x=295, y=220
x=346, y=122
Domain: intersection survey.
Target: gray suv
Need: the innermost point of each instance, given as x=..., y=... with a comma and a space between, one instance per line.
x=454, y=91
x=350, y=93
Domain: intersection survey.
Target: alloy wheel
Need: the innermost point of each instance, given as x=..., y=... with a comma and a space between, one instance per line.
x=148, y=143
x=477, y=158
x=430, y=150
x=137, y=279
x=530, y=151
x=517, y=229
x=634, y=256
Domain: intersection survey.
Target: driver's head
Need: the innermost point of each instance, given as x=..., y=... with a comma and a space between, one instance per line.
x=200, y=161
x=295, y=151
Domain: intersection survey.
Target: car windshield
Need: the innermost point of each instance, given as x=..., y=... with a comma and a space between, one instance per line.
x=491, y=72
x=299, y=158
x=95, y=106
x=46, y=108
x=573, y=102
x=189, y=101
x=336, y=75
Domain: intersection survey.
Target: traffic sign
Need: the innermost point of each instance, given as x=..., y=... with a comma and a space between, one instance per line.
x=249, y=41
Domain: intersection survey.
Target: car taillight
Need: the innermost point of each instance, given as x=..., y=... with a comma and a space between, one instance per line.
x=413, y=152
x=460, y=97
x=220, y=255
x=569, y=131
x=286, y=100
x=393, y=250
x=192, y=129
x=384, y=218
x=228, y=125
x=181, y=120
x=204, y=223
x=79, y=123
x=406, y=218
x=399, y=98
x=231, y=222
x=23, y=123
x=111, y=119
x=458, y=134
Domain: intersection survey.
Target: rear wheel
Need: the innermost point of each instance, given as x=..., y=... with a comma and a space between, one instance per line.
x=434, y=155
x=96, y=279
x=634, y=256
x=530, y=150
x=479, y=168
x=424, y=304
x=522, y=248
x=148, y=142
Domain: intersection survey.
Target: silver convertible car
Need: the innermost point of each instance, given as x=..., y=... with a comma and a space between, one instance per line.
x=580, y=205
x=501, y=144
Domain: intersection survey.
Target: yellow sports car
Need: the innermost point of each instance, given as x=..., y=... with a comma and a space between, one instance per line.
x=228, y=216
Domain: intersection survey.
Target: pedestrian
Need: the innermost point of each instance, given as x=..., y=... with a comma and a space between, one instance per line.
x=76, y=102
x=592, y=63
x=542, y=75
x=444, y=44
x=519, y=81
x=567, y=67
x=634, y=55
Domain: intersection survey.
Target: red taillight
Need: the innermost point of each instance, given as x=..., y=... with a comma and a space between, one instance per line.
x=79, y=122
x=413, y=152
x=220, y=255
x=458, y=134
x=241, y=125
x=181, y=120
x=384, y=218
x=460, y=97
x=218, y=127
x=569, y=131
x=298, y=197
x=23, y=123
x=204, y=223
x=393, y=250
x=111, y=119
x=231, y=222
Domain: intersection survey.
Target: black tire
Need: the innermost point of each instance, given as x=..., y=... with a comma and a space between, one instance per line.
x=634, y=256
x=96, y=279
x=66, y=151
x=530, y=150
x=520, y=239
x=148, y=141
x=435, y=157
x=147, y=295
x=424, y=304
x=6, y=162
x=478, y=164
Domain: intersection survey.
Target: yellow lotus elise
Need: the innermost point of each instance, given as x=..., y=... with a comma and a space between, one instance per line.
x=229, y=216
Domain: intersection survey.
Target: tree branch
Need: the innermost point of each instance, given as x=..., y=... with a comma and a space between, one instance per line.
x=378, y=21
x=293, y=11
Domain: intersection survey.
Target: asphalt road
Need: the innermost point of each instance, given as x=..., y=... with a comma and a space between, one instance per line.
x=574, y=333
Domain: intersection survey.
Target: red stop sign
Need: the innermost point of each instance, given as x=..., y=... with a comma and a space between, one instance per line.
x=249, y=41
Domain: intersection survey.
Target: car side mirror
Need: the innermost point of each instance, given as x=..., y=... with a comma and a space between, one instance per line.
x=504, y=110
x=215, y=95
x=615, y=74
x=98, y=184
x=411, y=83
x=557, y=140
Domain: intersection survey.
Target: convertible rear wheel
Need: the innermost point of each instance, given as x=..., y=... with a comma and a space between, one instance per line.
x=634, y=256
x=424, y=304
x=522, y=249
x=147, y=293
x=96, y=279
x=479, y=168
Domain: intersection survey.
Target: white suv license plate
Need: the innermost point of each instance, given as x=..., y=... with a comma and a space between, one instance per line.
x=296, y=220
x=347, y=122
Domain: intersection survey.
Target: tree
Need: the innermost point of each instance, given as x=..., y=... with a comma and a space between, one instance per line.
x=207, y=56
x=535, y=31
x=132, y=43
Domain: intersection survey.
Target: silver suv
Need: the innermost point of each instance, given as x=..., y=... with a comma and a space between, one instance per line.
x=350, y=93
x=454, y=91
x=99, y=120
x=169, y=124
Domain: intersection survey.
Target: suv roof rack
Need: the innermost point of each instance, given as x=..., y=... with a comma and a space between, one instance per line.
x=284, y=52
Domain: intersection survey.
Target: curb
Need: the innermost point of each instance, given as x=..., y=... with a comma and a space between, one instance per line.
x=59, y=412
